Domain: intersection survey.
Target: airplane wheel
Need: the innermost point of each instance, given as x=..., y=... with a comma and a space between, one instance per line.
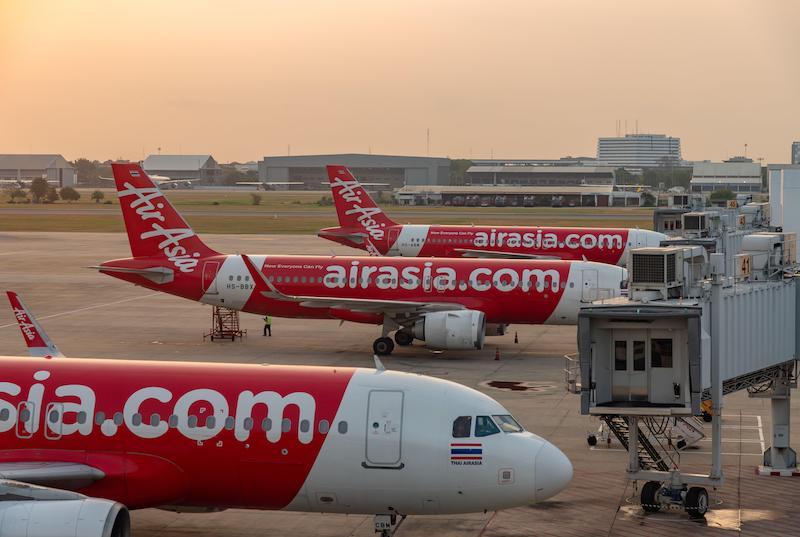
x=696, y=503
x=403, y=338
x=649, y=497
x=383, y=346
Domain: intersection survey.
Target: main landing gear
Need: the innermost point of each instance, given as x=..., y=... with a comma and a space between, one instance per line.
x=403, y=338
x=383, y=346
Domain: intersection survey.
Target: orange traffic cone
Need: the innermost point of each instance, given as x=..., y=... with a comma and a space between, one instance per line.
x=497, y=353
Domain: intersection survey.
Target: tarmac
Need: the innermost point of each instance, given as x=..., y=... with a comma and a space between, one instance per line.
x=92, y=315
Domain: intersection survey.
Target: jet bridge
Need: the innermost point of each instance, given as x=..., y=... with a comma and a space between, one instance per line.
x=688, y=333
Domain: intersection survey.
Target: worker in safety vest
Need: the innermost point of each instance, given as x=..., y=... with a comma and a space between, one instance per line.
x=268, y=325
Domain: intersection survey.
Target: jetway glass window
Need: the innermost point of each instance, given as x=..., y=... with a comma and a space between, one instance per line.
x=639, y=361
x=661, y=353
x=620, y=356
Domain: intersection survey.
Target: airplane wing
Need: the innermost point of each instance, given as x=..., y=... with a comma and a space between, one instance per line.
x=393, y=308
x=53, y=474
x=466, y=252
x=39, y=344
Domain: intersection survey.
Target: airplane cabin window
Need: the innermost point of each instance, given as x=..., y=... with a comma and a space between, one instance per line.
x=266, y=424
x=286, y=425
x=81, y=418
x=4, y=414
x=462, y=426
x=342, y=427
x=24, y=415
x=53, y=417
x=155, y=419
x=324, y=427
x=118, y=418
x=507, y=423
x=304, y=426
x=192, y=421
x=248, y=424
x=230, y=423
x=99, y=418
x=173, y=421
x=136, y=420
x=484, y=426
x=211, y=421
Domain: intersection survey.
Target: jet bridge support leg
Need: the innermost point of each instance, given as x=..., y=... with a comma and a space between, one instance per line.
x=779, y=458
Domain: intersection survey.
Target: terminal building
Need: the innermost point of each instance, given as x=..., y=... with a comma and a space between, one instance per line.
x=737, y=176
x=395, y=171
x=202, y=167
x=639, y=151
x=55, y=168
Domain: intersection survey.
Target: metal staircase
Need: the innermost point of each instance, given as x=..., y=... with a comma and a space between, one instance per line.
x=649, y=457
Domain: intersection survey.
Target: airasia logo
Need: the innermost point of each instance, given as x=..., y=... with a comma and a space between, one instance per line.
x=442, y=278
x=145, y=207
x=549, y=240
x=27, y=327
x=349, y=191
x=77, y=412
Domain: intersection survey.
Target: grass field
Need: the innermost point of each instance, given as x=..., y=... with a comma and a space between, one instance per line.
x=228, y=203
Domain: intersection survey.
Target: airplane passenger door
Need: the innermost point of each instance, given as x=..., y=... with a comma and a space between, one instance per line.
x=54, y=420
x=384, y=429
x=210, y=269
x=588, y=285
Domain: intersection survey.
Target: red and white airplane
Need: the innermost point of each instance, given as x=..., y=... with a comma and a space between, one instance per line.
x=445, y=302
x=82, y=441
x=363, y=225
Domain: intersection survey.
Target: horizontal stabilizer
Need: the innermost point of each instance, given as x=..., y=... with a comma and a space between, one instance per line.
x=154, y=274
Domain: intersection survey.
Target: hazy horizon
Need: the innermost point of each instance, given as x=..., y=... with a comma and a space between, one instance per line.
x=538, y=79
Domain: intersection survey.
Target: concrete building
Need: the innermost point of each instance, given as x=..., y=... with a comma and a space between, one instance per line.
x=202, y=167
x=55, y=168
x=784, y=196
x=563, y=161
x=639, y=150
x=397, y=171
x=737, y=176
x=795, y=152
x=552, y=176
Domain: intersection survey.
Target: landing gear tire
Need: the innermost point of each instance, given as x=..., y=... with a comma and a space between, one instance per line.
x=403, y=338
x=696, y=503
x=649, y=497
x=591, y=440
x=383, y=346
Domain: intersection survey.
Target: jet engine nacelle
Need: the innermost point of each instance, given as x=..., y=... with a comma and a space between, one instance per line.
x=88, y=517
x=458, y=329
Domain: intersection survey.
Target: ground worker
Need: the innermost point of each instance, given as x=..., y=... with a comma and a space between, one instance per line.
x=268, y=325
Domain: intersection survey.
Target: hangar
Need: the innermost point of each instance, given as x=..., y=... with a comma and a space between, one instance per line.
x=397, y=171
x=54, y=168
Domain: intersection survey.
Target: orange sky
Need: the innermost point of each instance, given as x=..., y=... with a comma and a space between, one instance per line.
x=528, y=79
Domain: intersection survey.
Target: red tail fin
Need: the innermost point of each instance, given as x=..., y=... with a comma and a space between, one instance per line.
x=155, y=229
x=39, y=344
x=355, y=208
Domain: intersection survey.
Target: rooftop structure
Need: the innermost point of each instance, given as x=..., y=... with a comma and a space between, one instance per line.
x=53, y=167
x=733, y=175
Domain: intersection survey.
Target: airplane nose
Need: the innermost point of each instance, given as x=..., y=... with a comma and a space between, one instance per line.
x=553, y=472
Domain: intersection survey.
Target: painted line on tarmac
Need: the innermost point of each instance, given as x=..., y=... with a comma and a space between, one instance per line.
x=17, y=253
x=70, y=312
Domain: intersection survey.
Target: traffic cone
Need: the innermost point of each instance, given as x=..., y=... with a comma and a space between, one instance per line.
x=516, y=337
x=497, y=353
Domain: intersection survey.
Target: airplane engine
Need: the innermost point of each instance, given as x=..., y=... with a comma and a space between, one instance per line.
x=458, y=329
x=88, y=517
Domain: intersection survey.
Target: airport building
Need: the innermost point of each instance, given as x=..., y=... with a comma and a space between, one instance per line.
x=55, y=168
x=795, y=152
x=396, y=171
x=737, y=176
x=552, y=176
x=639, y=150
x=202, y=167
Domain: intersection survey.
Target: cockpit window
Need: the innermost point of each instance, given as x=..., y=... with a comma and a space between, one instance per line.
x=484, y=426
x=507, y=423
x=462, y=426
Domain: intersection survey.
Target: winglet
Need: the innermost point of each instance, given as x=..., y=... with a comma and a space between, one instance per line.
x=39, y=345
x=378, y=364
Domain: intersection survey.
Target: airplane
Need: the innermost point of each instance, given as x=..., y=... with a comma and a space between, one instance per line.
x=448, y=303
x=364, y=225
x=164, y=181
x=82, y=441
x=270, y=185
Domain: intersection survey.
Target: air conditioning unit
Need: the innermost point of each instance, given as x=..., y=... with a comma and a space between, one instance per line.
x=656, y=269
x=701, y=224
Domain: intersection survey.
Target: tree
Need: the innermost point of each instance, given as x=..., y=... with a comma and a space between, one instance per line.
x=458, y=171
x=233, y=176
x=51, y=196
x=86, y=170
x=18, y=196
x=69, y=194
x=97, y=195
x=723, y=194
x=39, y=188
x=649, y=199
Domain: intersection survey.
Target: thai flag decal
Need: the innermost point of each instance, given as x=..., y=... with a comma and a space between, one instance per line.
x=466, y=453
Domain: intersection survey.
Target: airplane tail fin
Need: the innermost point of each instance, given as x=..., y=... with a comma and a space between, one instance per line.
x=155, y=228
x=354, y=207
x=39, y=345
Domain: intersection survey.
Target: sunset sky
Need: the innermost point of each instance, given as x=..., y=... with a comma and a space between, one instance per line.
x=522, y=79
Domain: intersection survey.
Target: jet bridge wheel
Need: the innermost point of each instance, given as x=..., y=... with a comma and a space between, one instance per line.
x=383, y=346
x=649, y=497
x=696, y=502
x=403, y=338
